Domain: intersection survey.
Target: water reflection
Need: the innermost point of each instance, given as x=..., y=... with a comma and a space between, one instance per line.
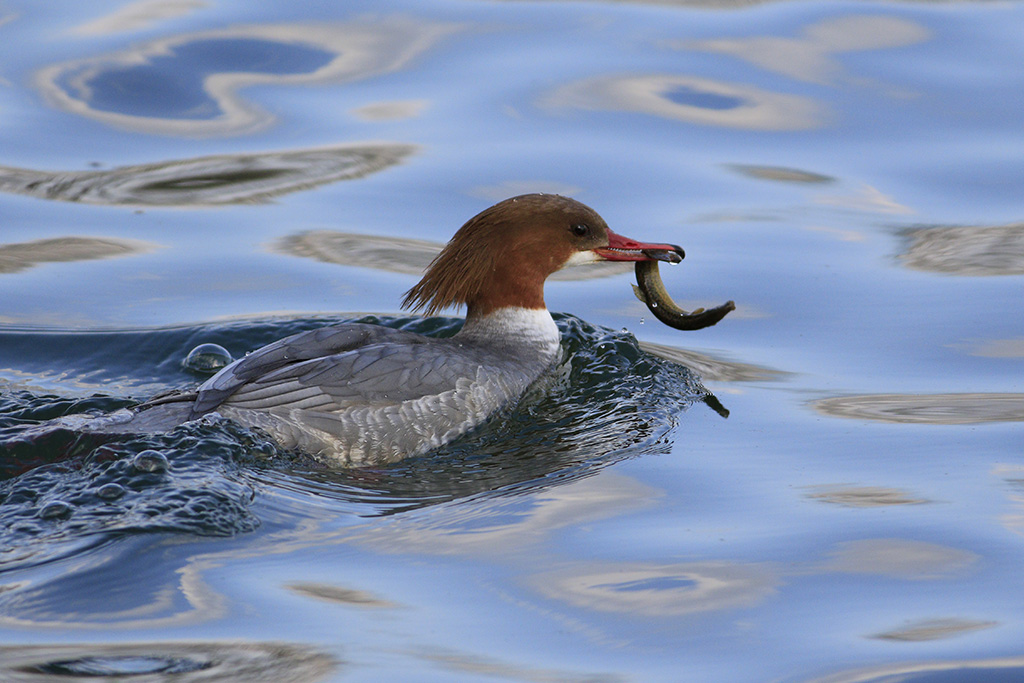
x=89, y=590
x=934, y=629
x=482, y=667
x=118, y=585
x=512, y=188
x=713, y=369
x=693, y=100
x=657, y=590
x=395, y=110
x=143, y=91
x=995, y=348
x=184, y=662
x=809, y=58
x=18, y=256
x=188, y=85
x=136, y=16
x=510, y=521
x=207, y=181
x=967, y=250
x=899, y=558
x=863, y=496
x=866, y=198
x=944, y=671
x=781, y=174
x=677, y=589
x=339, y=595
x=1013, y=476
x=714, y=102
x=936, y=409
x=400, y=254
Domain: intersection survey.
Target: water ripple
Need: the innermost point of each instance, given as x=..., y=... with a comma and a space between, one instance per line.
x=207, y=181
x=150, y=662
x=693, y=100
x=65, y=491
x=18, y=256
x=143, y=88
x=967, y=250
x=945, y=409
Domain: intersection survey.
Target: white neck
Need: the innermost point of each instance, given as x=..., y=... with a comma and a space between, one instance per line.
x=514, y=324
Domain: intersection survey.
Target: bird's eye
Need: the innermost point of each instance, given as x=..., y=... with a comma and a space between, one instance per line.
x=581, y=230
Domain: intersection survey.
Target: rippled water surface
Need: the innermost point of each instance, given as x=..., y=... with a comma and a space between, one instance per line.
x=825, y=486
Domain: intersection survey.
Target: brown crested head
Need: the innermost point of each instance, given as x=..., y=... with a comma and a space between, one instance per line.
x=502, y=256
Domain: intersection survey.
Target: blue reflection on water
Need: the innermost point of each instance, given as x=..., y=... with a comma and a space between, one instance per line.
x=657, y=583
x=899, y=279
x=704, y=100
x=171, y=86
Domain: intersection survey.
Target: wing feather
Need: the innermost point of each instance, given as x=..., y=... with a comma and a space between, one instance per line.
x=319, y=344
x=337, y=368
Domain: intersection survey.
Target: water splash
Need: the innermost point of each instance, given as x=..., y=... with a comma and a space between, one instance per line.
x=64, y=491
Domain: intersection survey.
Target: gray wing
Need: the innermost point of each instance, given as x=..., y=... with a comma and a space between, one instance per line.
x=333, y=368
x=296, y=349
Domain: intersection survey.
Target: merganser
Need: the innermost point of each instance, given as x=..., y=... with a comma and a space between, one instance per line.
x=358, y=394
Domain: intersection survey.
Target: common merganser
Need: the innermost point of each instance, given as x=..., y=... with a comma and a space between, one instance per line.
x=363, y=394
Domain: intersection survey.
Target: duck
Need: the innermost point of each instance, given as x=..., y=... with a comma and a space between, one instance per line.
x=360, y=394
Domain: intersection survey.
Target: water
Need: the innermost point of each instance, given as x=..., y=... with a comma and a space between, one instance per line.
x=178, y=173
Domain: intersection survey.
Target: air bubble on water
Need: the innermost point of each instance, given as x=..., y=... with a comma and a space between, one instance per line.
x=55, y=509
x=118, y=666
x=207, y=359
x=110, y=491
x=150, y=461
